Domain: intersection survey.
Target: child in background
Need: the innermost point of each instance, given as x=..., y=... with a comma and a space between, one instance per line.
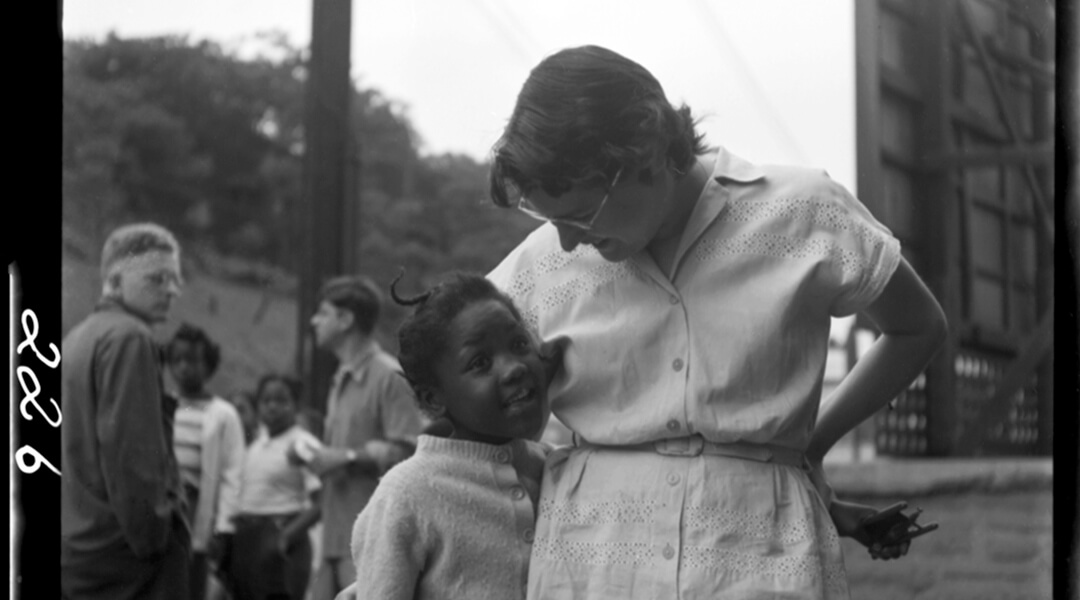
x=271, y=553
x=312, y=421
x=208, y=440
x=244, y=403
x=455, y=521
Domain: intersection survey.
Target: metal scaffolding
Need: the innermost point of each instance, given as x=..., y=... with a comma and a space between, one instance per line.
x=955, y=154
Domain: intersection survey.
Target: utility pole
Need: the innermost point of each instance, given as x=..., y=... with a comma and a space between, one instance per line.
x=328, y=207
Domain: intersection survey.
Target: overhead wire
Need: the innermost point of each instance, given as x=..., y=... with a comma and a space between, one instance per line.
x=730, y=53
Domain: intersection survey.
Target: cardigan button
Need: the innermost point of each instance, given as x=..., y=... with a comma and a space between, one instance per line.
x=517, y=493
x=677, y=364
x=528, y=535
x=502, y=456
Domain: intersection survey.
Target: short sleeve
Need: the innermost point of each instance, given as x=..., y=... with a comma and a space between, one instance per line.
x=865, y=253
x=399, y=410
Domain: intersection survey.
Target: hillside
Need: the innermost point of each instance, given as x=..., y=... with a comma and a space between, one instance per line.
x=256, y=328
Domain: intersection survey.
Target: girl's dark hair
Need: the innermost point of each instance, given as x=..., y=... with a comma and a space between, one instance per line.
x=422, y=337
x=583, y=114
x=290, y=382
x=196, y=337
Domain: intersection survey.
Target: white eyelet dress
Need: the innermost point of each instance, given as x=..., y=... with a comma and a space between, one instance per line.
x=724, y=360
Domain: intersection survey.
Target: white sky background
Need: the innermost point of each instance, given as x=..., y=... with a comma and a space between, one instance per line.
x=775, y=79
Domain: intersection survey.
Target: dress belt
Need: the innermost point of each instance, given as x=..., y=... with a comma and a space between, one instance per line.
x=696, y=445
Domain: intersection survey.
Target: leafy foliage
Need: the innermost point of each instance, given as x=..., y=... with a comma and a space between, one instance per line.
x=211, y=145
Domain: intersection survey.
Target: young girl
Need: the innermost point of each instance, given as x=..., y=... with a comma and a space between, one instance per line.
x=695, y=291
x=455, y=521
x=271, y=553
x=209, y=444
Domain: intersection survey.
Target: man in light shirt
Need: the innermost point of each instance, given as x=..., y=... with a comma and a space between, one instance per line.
x=372, y=420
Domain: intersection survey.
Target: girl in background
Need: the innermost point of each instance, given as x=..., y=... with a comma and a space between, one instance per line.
x=271, y=555
x=244, y=403
x=208, y=441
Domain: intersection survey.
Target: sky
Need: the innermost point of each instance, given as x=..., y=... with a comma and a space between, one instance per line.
x=773, y=79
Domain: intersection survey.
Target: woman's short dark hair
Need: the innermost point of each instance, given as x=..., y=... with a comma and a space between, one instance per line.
x=582, y=114
x=356, y=294
x=197, y=337
x=423, y=336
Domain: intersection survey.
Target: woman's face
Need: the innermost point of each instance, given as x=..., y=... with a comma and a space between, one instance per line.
x=631, y=218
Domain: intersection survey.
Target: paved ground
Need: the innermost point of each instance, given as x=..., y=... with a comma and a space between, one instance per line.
x=996, y=535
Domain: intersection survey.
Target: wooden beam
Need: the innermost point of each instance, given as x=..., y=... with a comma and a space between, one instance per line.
x=1046, y=211
x=1041, y=70
x=1034, y=349
x=327, y=203
x=868, y=105
x=1018, y=154
x=940, y=214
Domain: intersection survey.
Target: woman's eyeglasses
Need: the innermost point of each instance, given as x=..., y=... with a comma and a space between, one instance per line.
x=527, y=208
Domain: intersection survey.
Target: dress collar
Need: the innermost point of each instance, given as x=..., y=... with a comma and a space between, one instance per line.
x=726, y=168
x=733, y=168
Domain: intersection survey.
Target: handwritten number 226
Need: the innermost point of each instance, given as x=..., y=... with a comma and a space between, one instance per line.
x=27, y=458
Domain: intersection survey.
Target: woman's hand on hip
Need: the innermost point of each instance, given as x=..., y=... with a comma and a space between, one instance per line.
x=850, y=518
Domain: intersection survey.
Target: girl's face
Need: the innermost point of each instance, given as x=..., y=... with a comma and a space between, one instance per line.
x=631, y=218
x=277, y=407
x=187, y=363
x=491, y=382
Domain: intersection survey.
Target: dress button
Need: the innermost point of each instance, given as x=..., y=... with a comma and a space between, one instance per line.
x=673, y=425
x=677, y=364
x=669, y=552
x=517, y=493
x=673, y=299
x=673, y=478
x=528, y=535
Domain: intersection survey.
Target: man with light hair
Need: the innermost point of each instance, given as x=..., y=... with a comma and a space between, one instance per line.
x=122, y=529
